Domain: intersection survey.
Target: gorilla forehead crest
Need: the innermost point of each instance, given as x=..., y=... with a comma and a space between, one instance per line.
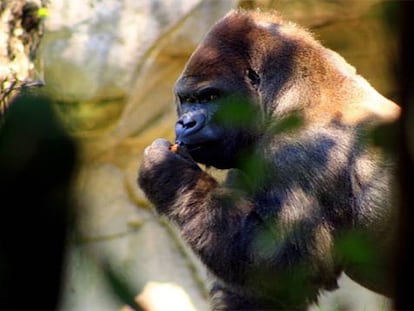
x=240, y=40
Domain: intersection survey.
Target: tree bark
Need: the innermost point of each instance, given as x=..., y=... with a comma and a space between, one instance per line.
x=20, y=34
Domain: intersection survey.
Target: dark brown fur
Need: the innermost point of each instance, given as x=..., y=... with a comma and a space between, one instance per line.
x=274, y=236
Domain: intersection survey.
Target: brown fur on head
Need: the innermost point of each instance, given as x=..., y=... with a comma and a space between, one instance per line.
x=296, y=71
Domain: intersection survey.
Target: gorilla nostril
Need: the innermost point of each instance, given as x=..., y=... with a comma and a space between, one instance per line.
x=190, y=124
x=187, y=122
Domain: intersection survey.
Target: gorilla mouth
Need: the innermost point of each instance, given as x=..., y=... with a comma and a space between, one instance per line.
x=200, y=146
x=211, y=153
x=194, y=147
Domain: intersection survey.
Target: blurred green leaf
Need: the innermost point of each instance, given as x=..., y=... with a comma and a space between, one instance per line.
x=256, y=168
x=355, y=247
x=120, y=286
x=237, y=111
x=37, y=165
x=384, y=136
x=42, y=12
x=388, y=12
x=288, y=124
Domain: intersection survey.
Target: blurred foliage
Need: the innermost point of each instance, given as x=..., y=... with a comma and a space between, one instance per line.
x=237, y=112
x=356, y=248
x=290, y=123
x=37, y=163
x=120, y=285
x=257, y=170
x=386, y=137
x=405, y=76
x=42, y=12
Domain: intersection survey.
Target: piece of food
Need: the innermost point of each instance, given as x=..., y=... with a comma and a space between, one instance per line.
x=174, y=148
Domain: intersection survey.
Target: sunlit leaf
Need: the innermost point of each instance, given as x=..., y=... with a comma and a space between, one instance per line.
x=42, y=12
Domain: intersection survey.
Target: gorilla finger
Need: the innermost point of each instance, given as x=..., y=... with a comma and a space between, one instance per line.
x=147, y=151
x=161, y=143
x=157, y=144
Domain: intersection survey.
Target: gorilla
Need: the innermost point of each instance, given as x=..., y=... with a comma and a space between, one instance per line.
x=306, y=197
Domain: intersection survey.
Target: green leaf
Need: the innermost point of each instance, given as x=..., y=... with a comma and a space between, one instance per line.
x=42, y=12
x=120, y=286
x=288, y=124
x=237, y=111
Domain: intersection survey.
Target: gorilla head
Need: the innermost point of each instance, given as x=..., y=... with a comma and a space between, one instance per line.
x=217, y=96
x=254, y=68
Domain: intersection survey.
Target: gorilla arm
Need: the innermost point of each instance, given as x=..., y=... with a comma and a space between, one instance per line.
x=246, y=246
x=209, y=216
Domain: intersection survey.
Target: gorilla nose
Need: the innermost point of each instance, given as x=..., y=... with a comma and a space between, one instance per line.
x=188, y=124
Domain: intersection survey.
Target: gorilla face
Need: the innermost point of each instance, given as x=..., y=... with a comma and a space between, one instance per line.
x=217, y=124
x=217, y=102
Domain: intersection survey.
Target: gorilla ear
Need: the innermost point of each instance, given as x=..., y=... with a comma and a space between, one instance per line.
x=253, y=77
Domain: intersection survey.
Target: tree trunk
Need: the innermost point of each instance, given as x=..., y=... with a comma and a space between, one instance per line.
x=20, y=34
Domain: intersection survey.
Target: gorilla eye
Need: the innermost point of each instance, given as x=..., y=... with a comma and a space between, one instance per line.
x=253, y=77
x=207, y=98
x=208, y=95
x=201, y=97
x=188, y=99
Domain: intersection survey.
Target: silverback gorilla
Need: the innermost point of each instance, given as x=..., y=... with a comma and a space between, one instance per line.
x=300, y=204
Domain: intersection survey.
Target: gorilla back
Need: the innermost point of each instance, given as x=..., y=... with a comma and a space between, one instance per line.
x=296, y=203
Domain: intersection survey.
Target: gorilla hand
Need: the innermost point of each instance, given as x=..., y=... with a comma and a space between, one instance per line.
x=193, y=199
x=171, y=172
